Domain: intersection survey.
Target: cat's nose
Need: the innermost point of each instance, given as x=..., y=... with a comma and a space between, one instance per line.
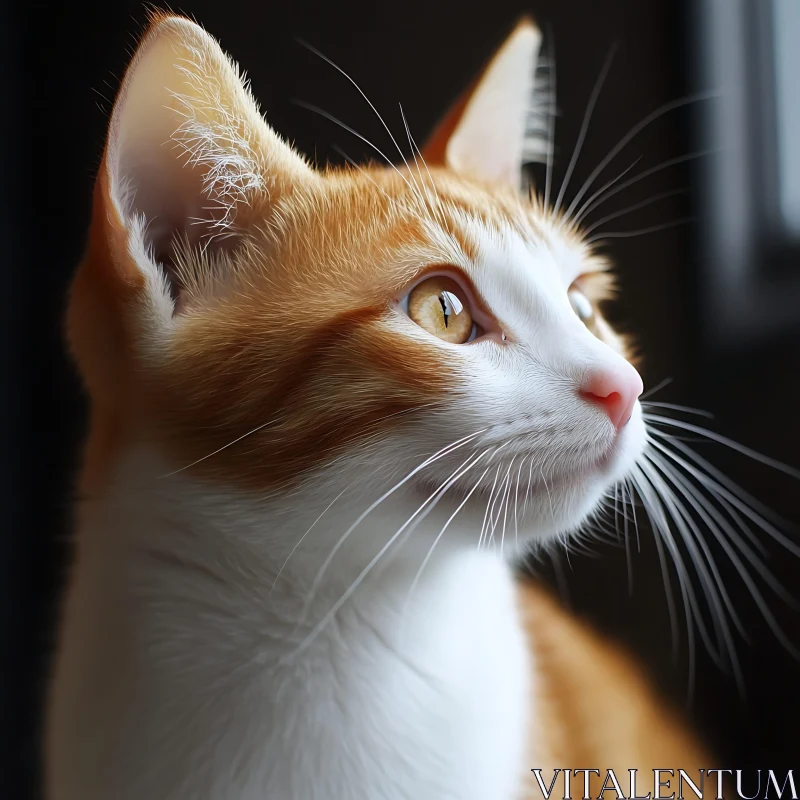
x=615, y=390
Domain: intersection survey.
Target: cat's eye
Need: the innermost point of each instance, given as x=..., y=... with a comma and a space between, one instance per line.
x=581, y=305
x=441, y=307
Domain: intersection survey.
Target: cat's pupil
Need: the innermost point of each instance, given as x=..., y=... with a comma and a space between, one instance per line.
x=451, y=306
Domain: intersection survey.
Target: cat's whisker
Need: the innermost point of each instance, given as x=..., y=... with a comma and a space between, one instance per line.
x=739, y=523
x=597, y=199
x=363, y=94
x=729, y=492
x=504, y=500
x=484, y=528
x=625, y=488
x=593, y=529
x=462, y=469
x=725, y=652
x=703, y=476
x=566, y=545
x=719, y=527
x=549, y=496
x=676, y=407
x=503, y=496
x=418, y=180
x=497, y=504
x=558, y=572
x=379, y=432
x=344, y=126
x=663, y=538
x=445, y=451
x=640, y=232
x=505, y=512
x=412, y=147
x=691, y=534
x=516, y=505
x=422, y=511
x=630, y=209
x=607, y=515
x=528, y=487
x=363, y=171
x=657, y=388
x=446, y=525
x=587, y=117
x=632, y=498
x=724, y=440
x=417, y=152
x=631, y=134
x=669, y=511
x=701, y=506
x=368, y=440
x=436, y=213
x=219, y=449
x=301, y=539
x=707, y=483
x=607, y=185
x=619, y=510
x=744, y=508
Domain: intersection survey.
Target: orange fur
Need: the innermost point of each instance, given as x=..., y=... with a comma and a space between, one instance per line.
x=597, y=706
x=283, y=328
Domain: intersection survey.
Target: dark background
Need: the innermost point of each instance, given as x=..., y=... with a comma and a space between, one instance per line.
x=61, y=66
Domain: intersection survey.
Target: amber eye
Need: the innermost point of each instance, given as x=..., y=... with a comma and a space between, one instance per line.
x=439, y=305
x=581, y=305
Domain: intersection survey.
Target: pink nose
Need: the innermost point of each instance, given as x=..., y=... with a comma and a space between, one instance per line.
x=615, y=390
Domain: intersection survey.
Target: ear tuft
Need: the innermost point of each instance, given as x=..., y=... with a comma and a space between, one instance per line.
x=190, y=162
x=498, y=124
x=215, y=144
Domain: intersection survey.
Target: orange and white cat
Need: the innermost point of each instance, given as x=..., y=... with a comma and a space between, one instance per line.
x=314, y=394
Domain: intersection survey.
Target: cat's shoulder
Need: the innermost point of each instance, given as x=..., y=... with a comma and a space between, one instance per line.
x=594, y=705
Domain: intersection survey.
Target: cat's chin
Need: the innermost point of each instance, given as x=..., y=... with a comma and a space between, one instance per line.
x=600, y=473
x=511, y=492
x=562, y=502
x=579, y=493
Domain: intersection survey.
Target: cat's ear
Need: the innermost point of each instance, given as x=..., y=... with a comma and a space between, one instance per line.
x=495, y=126
x=189, y=158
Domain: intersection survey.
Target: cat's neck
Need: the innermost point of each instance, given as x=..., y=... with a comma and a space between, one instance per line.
x=422, y=670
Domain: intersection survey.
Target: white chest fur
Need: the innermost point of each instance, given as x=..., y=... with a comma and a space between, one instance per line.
x=178, y=674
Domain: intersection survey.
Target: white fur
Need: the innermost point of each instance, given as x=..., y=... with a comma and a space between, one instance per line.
x=169, y=684
x=523, y=395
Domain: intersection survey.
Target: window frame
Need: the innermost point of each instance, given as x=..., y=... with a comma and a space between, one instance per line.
x=749, y=276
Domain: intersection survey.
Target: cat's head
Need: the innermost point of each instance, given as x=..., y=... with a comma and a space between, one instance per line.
x=268, y=322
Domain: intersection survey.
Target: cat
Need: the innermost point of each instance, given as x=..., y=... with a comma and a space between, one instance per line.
x=329, y=408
